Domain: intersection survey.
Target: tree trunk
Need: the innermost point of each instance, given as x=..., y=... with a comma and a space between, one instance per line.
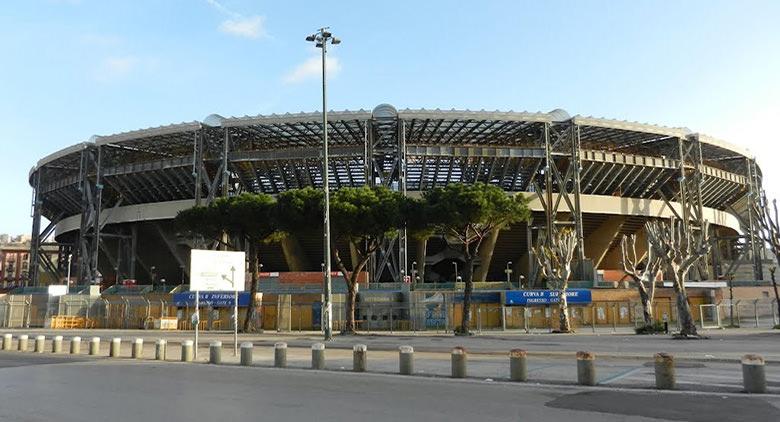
x=647, y=304
x=250, y=312
x=468, y=287
x=688, y=326
x=563, y=314
x=777, y=296
x=350, y=328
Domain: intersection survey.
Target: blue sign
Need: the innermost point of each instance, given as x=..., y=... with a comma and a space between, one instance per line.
x=546, y=297
x=213, y=299
x=482, y=297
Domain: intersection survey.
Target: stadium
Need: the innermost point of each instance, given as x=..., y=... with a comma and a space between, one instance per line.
x=109, y=202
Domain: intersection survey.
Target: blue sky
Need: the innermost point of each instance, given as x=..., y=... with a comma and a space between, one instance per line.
x=73, y=68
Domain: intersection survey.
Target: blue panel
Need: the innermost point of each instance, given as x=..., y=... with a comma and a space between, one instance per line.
x=490, y=297
x=213, y=299
x=546, y=297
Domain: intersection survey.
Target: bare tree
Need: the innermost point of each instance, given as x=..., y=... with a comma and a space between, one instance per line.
x=768, y=229
x=555, y=263
x=643, y=270
x=678, y=252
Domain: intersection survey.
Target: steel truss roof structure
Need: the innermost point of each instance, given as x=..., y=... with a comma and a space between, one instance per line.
x=557, y=156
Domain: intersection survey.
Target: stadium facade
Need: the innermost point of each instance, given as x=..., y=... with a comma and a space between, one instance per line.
x=111, y=200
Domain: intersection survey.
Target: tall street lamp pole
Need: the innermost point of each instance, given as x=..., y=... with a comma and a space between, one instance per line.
x=321, y=39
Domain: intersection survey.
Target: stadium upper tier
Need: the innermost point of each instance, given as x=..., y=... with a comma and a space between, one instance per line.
x=420, y=149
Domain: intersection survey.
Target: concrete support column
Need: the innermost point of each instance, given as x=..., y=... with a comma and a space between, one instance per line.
x=215, y=352
x=518, y=366
x=422, y=247
x=586, y=368
x=294, y=254
x=612, y=259
x=459, y=361
x=40, y=343
x=753, y=374
x=247, y=349
x=23, y=339
x=664, y=372
x=94, y=346
x=115, y=348
x=597, y=243
x=359, y=358
x=75, y=345
x=318, y=356
x=280, y=355
x=56, y=344
x=406, y=360
x=485, y=255
x=161, y=350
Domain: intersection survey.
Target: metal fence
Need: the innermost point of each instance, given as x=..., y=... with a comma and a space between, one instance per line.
x=748, y=313
x=141, y=312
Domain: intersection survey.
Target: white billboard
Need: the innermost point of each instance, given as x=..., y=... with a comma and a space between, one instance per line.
x=217, y=270
x=58, y=289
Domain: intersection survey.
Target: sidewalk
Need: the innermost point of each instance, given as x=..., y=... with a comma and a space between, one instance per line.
x=722, y=346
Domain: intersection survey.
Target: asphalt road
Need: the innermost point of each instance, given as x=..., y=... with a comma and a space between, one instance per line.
x=45, y=388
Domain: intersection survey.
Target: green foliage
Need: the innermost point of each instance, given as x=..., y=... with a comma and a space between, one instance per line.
x=656, y=327
x=198, y=220
x=247, y=215
x=365, y=213
x=470, y=211
x=300, y=210
x=419, y=224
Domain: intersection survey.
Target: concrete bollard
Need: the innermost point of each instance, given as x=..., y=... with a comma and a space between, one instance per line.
x=359, y=358
x=318, y=356
x=56, y=345
x=586, y=370
x=406, y=360
x=115, y=348
x=161, y=350
x=518, y=365
x=247, y=349
x=8, y=339
x=459, y=362
x=137, y=352
x=187, y=351
x=23, y=340
x=75, y=345
x=753, y=374
x=215, y=352
x=40, y=343
x=664, y=372
x=280, y=355
x=94, y=346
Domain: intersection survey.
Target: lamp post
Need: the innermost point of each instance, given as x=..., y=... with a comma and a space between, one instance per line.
x=321, y=39
x=70, y=258
x=455, y=263
x=414, y=272
x=508, y=272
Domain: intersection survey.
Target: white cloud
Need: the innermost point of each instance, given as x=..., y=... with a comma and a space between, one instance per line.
x=311, y=68
x=120, y=67
x=222, y=9
x=252, y=27
x=248, y=27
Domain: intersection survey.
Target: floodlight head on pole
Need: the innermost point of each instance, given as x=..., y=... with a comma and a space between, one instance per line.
x=322, y=37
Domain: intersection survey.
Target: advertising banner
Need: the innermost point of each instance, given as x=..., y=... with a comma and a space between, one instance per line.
x=546, y=297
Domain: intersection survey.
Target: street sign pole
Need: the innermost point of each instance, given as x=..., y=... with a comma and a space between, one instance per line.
x=196, y=320
x=235, y=312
